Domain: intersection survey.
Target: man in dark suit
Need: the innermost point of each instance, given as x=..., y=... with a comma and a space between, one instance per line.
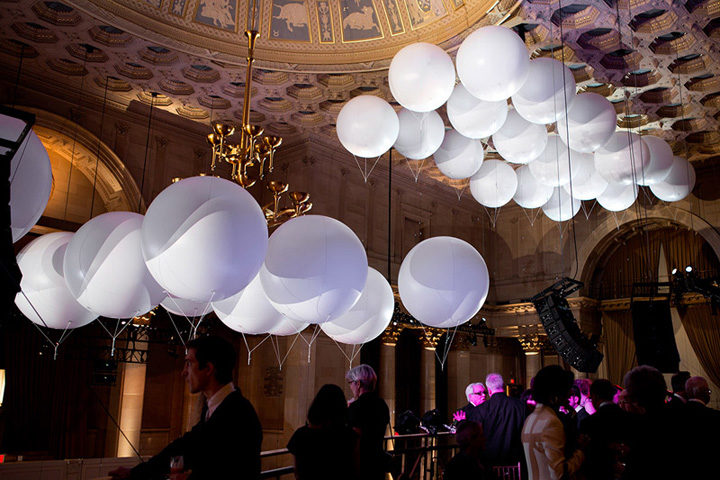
x=701, y=426
x=678, y=398
x=608, y=432
x=575, y=401
x=502, y=419
x=226, y=442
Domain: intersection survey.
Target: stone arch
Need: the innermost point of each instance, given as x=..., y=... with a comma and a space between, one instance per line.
x=113, y=184
x=599, y=240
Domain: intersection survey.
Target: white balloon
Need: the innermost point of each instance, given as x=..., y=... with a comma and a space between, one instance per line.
x=369, y=317
x=494, y=184
x=104, y=267
x=588, y=183
x=548, y=94
x=661, y=161
x=472, y=117
x=421, y=77
x=249, y=311
x=315, y=269
x=590, y=122
x=30, y=178
x=561, y=206
x=679, y=182
x=530, y=193
x=623, y=158
x=43, y=283
x=288, y=326
x=443, y=282
x=367, y=126
x=459, y=156
x=204, y=238
x=420, y=134
x=519, y=141
x=552, y=167
x=493, y=63
x=186, y=308
x=618, y=197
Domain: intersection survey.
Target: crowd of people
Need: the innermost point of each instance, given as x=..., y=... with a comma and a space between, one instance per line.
x=561, y=428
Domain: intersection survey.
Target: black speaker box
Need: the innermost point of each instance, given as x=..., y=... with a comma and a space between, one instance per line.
x=654, y=335
x=564, y=334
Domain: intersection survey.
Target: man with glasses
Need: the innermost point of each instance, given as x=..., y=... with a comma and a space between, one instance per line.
x=475, y=394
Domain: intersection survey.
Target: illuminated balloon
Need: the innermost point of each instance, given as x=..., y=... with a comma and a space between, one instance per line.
x=494, y=184
x=185, y=308
x=493, y=63
x=420, y=134
x=369, y=317
x=623, y=158
x=679, y=182
x=367, y=126
x=590, y=121
x=288, y=326
x=552, y=167
x=530, y=193
x=104, y=267
x=421, y=77
x=43, y=284
x=315, y=269
x=661, y=161
x=519, y=141
x=443, y=282
x=561, y=206
x=618, y=197
x=458, y=156
x=472, y=117
x=204, y=238
x=548, y=94
x=248, y=311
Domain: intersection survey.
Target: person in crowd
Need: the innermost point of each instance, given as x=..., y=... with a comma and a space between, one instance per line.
x=468, y=462
x=475, y=394
x=702, y=424
x=677, y=382
x=583, y=385
x=369, y=416
x=608, y=432
x=226, y=442
x=576, y=410
x=543, y=435
x=501, y=418
x=527, y=399
x=326, y=448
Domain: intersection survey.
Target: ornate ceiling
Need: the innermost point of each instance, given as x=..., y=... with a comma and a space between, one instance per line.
x=657, y=60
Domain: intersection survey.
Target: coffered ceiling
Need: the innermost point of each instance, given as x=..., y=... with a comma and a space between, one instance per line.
x=657, y=60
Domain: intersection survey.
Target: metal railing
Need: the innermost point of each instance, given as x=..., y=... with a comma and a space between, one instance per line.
x=421, y=456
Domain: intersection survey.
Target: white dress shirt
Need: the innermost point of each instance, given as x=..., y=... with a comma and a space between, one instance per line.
x=543, y=438
x=218, y=398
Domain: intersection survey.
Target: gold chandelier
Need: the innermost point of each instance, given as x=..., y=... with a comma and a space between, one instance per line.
x=253, y=156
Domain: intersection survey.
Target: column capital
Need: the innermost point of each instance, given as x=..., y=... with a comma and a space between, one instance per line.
x=391, y=334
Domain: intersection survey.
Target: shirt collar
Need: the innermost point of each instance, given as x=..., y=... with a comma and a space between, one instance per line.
x=682, y=399
x=697, y=400
x=578, y=408
x=218, y=398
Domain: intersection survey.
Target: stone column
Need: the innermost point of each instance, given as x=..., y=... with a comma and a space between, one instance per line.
x=427, y=374
x=531, y=342
x=131, y=407
x=386, y=382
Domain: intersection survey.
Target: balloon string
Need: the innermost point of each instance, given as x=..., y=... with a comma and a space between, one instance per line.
x=251, y=350
x=178, y=332
x=275, y=341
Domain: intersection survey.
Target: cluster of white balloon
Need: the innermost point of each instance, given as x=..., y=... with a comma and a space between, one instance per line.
x=584, y=159
x=203, y=244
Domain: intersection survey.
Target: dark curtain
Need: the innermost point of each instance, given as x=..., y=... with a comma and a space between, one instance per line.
x=703, y=331
x=619, y=343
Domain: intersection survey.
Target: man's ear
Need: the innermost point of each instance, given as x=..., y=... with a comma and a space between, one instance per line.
x=210, y=368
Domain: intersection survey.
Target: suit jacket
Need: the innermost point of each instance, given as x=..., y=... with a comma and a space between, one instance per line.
x=227, y=445
x=609, y=430
x=502, y=419
x=581, y=415
x=543, y=438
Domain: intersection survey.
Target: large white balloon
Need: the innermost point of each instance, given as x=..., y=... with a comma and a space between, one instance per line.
x=530, y=193
x=561, y=206
x=552, y=167
x=369, y=317
x=548, y=93
x=421, y=77
x=443, y=281
x=367, y=126
x=623, y=158
x=661, y=161
x=493, y=63
x=43, y=283
x=204, y=238
x=185, y=308
x=315, y=269
x=494, y=184
x=618, y=197
x=679, y=182
x=459, y=156
x=590, y=122
x=104, y=267
x=588, y=183
x=420, y=134
x=248, y=311
x=472, y=117
x=288, y=326
x=519, y=141
x=30, y=177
